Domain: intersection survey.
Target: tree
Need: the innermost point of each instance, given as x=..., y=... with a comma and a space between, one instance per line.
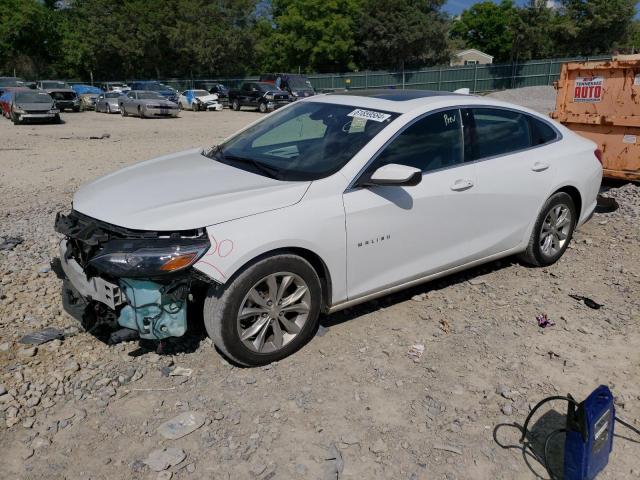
x=27, y=41
x=310, y=35
x=595, y=26
x=488, y=27
x=534, y=28
x=399, y=33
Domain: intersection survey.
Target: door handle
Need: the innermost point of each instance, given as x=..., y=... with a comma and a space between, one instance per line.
x=540, y=166
x=460, y=185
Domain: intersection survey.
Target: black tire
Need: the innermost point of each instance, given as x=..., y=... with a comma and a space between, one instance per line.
x=123, y=112
x=57, y=120
x=223, y=303
x=14, y=119
x=76, y=109
x=262, y=107
x=140, y=114
x=235, y=105
x=534, y=254
x=108, y=109
x=194, y=106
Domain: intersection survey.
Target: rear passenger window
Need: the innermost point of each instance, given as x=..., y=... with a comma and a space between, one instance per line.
x=498, y=132
x=541, y=132
x=431, y=143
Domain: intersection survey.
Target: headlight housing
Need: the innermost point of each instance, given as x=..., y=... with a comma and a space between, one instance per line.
x=54, y=110
x=149, y=258
x=269, y=96
x=17, y=109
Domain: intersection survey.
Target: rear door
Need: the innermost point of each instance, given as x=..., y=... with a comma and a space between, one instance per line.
x=396, y=234
x=514, y=156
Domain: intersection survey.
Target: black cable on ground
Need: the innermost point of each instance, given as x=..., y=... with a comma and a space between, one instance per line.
x=628, y=425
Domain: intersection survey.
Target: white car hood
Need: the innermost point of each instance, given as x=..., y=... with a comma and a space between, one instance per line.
x=182, y=191
x=208, y=98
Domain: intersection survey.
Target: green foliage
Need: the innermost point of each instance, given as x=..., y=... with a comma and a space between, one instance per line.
x=488, y=27
x=400, y=33
x=595, y=26
x=126, y=39
x=310, y=35
x=27, y=42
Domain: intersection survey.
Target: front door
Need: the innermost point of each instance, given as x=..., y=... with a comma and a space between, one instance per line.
x=396, y=234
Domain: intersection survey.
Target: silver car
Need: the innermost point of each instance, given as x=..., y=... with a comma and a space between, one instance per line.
x=108, y=102
x=145, y=103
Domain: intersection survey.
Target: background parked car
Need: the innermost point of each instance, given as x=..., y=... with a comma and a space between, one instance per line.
x=199, y=100
x=7, y=97
x=263, y=96
x=222, y=92
x=62, y=94
x=143, y=103
x=88, y=95
x=108, y=102
x=8, y=82
x=297, y=85
x=30, y=105
x=154, y=86
x=115, y=87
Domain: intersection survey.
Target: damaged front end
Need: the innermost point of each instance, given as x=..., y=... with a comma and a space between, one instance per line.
x=140, y=279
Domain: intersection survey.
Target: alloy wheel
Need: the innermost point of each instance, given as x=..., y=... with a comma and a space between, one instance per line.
x=273, y=312
x=555, y=230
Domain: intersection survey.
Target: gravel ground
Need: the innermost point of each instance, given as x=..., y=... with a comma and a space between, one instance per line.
x=541, y=99
x=352, y=404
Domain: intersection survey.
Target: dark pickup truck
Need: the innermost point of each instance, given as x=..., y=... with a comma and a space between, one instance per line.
x=263, y=96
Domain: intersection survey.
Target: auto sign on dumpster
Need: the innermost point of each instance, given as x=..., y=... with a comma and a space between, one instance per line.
x=601, y=101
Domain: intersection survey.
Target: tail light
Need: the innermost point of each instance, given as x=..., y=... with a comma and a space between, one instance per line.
x=598, y=154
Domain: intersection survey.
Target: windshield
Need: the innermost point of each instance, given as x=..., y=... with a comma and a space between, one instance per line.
x=299, y=83
x=113, y=95
x=33, y=97
x=150, y=96
x=266, y=87
x=305, y=141
x=154, y=86
x=47, y=85
x=11, y=82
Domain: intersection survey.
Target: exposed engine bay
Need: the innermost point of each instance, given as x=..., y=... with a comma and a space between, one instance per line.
x=140, y=280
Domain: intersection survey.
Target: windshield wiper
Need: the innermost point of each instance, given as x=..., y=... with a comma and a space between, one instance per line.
x=217, y=153
x=268, y=171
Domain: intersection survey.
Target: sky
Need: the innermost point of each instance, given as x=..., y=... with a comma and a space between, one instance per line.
x=454, y=7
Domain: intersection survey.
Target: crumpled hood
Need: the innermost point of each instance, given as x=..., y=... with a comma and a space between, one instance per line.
x=182, y=191
x=208, y=98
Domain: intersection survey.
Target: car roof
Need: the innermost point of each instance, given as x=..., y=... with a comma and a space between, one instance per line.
x=403, y=101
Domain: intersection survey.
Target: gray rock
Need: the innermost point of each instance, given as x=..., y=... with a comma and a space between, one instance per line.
x=182, y=425
x=3, y=390
x=379, y=447
x=163, y=458
x=27, y=352
x=166, y=475
x=507, y=409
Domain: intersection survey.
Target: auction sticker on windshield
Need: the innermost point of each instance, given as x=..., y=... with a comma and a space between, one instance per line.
x=369, y=115
x=588, y=89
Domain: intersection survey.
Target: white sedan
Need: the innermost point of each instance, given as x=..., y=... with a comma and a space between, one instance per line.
x=329, y=202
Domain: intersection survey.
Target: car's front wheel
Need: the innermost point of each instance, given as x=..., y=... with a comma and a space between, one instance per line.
x=267, y=312
x=262, y=107
x=123, y=112
x=235, y=105
x=552, y=232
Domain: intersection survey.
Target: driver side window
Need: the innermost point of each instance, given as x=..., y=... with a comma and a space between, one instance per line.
x=431, y=143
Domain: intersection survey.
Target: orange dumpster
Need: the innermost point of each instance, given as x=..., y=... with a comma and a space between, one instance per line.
x=601, y=101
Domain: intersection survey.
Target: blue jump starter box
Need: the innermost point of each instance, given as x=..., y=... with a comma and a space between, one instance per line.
x=589, y=437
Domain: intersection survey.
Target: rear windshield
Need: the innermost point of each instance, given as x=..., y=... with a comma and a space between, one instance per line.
x=33, y=97
x=49, y=85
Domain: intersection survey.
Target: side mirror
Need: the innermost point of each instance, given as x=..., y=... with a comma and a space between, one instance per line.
x=393, y=174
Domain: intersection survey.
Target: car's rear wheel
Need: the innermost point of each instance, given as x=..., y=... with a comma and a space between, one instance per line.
x=235, y=105
x=267, y=312
x=552, y=232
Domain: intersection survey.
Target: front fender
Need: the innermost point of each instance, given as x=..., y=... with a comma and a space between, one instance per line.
x=306, y=225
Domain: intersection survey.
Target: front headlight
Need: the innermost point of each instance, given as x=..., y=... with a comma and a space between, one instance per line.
x=54, y=110
x=269, y=96
x=18, y=110
x=295, y=94
x=149, y=258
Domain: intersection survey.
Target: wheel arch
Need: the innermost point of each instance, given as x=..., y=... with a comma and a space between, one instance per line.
x=574, y=193
x=318, y=264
